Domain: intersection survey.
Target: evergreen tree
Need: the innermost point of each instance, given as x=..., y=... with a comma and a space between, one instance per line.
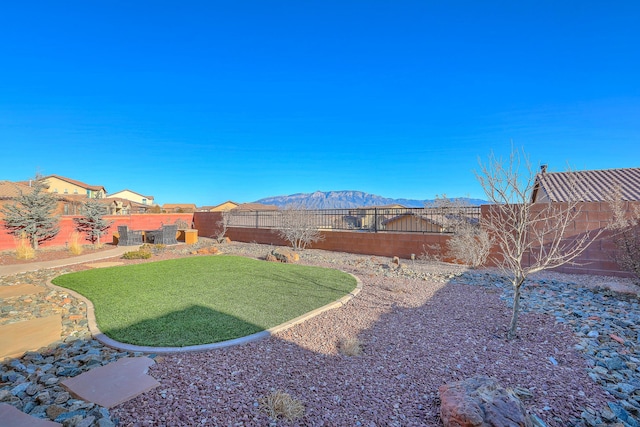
x=32, y=214
x=92, y=222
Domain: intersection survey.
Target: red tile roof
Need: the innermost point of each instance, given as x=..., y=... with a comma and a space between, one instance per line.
x=78, y=183
x=10, y=190
x=587, y=186
x=252, y=207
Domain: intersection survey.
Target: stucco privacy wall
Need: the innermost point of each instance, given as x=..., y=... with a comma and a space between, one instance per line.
x=594, y=216
x=67, y=227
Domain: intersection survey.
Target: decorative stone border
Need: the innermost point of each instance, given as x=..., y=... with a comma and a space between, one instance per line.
x=100, y=336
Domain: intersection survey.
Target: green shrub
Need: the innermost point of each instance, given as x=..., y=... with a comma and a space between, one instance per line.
x=142, y=253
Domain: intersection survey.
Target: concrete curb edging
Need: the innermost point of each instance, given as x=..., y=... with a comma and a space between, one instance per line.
x=100, y=336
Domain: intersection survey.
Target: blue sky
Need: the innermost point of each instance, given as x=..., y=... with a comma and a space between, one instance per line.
x=201, y=102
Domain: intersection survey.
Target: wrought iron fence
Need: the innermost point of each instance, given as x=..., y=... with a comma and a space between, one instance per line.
x=413, y=220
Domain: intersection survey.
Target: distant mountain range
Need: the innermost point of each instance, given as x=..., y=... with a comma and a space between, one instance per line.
x=348, y=199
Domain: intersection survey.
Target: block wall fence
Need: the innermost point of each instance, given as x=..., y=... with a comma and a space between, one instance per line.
x=594, y=216
x=67, y=227
x=597, y=259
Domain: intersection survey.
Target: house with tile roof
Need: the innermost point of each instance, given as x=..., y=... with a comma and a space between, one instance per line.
x=10, y=190
x=586, y=186
x=67, y=186
x=222, y=207
x=253, y=207
x=133, y=196
x=178, y=207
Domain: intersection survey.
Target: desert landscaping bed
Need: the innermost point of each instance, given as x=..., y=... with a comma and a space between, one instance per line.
x=420, y=325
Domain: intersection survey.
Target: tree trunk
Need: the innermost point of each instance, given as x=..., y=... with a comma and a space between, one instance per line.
x=516, y=308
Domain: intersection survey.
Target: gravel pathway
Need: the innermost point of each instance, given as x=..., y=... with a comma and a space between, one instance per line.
x=421, y=325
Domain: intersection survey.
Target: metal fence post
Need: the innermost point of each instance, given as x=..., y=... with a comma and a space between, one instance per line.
x=375, y=220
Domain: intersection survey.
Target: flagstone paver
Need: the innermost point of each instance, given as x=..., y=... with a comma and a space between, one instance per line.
x=19, y=337
x=114, y=383
x=11, y=417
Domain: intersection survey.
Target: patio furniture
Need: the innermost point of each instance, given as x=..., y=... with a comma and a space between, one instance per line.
x=166, y=235
x=127, y=237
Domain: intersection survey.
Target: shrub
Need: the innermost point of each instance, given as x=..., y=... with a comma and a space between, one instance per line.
x=298, y=227
x=470, y=245
x=74, y=245
x=142, y=253
x=350, y=346
x=24, y=250
x=182, y=224
x=279, y=403
x=153, y=248
x=625, y=225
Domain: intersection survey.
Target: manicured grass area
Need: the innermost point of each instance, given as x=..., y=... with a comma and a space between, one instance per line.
x=202, y=300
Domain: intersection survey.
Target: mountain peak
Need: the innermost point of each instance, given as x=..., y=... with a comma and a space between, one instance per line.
x=346, y=199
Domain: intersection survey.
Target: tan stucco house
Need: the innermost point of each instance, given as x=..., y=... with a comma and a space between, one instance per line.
x=133, y=196
x=67, y=186
x=222, y=207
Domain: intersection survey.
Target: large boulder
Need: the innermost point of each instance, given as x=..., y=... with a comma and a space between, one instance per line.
x=285, y=255
x=481, y=402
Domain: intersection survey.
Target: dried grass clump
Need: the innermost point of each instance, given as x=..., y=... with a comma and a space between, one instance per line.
x=350, y=346
x=24, y=250
x=281, y=404
x=74, y=243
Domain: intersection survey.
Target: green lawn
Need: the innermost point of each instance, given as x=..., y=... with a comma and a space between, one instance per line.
x=204, y=299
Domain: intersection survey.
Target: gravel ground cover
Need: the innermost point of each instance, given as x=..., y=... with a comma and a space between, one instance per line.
x=421, y=325
x=419, y=330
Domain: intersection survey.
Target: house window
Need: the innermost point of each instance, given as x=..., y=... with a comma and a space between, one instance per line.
x=55, y=190
x=144, y=201
x=75, y=191
x=88, y=193
x=66, y=209
x=66, y=191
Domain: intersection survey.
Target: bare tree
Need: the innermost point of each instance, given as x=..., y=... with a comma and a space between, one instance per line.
x=625, y=226
x=469, y=244
x=223, y=224
x=530, y=236
x=298, y=227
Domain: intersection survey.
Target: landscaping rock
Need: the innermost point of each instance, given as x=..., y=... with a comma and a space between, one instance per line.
x=479, y=402
x=271, y=258
x=285, y=255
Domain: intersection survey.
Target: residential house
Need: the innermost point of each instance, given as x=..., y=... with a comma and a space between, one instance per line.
x=178, y=207
x=586, y=186
x=67, y=186
x=10, y=190
x=67, y=204
x=133, y=196
x=121, y=206
x=222, y=207
x=367, y=217
x=411, y=222
x=253, y=207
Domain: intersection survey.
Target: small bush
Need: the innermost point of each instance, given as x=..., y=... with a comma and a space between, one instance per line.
x=281, y=404
x=24, y=250
x=350, y=346
x=74, y=245
x=154, y=249
x=141, y=253
x=182, y=224
x=470, y=245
